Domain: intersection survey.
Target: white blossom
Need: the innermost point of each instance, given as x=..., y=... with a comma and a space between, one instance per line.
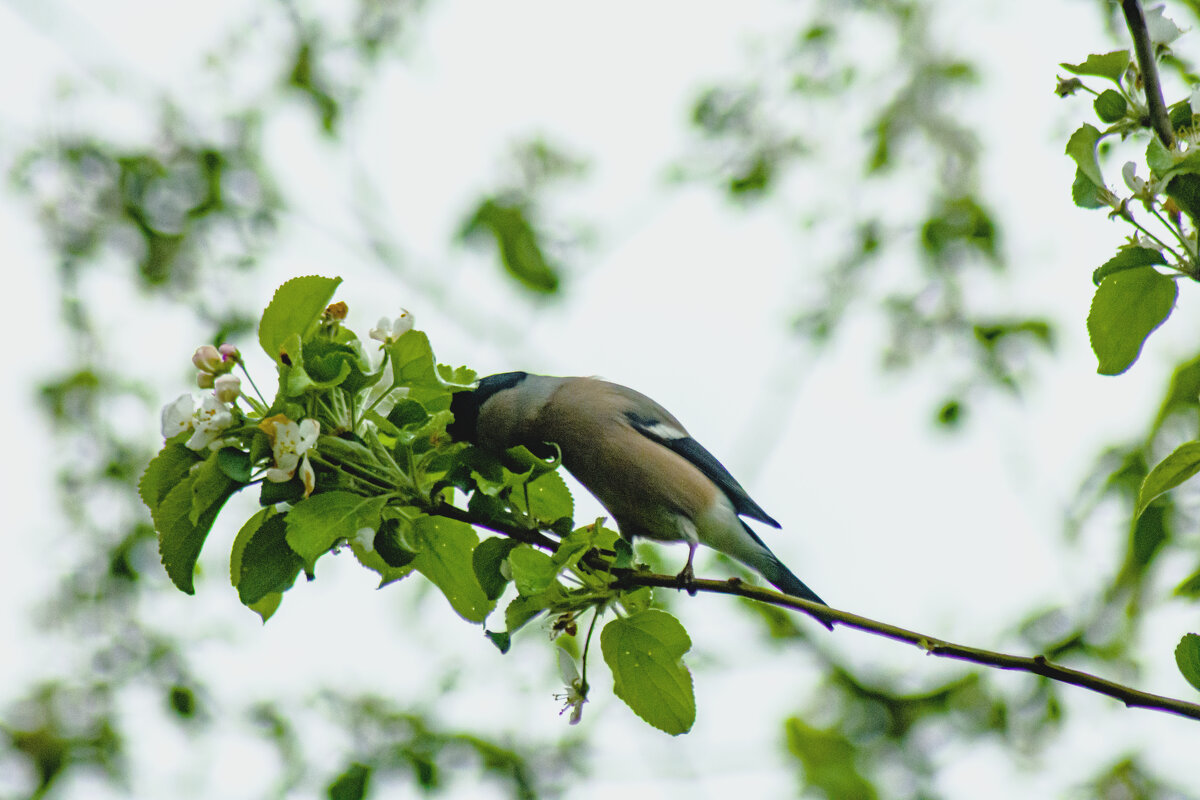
x=177, y=416
x=576, y=694
x=209, y=422
x=1161, y=29
x=290, y=445
x=388, y=331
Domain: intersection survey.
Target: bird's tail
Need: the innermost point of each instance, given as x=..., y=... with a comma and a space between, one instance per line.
x=771, y=568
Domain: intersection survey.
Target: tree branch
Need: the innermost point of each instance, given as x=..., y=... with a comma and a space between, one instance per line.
x=1038, y=665
x=1143, y=47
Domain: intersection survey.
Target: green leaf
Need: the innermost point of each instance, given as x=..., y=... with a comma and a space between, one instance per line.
x=1110, y=105
x=1081, y=147
x=549, y=498
x=1127, y=258
x=1158, y=157
x=210, y=485
x=1191, y=587
x=829, y=761
x=1184, y=189
x=1183, y=393
x=522, y=609
x=314, y=525
x=234, y=463
x=444, y=556
x=1126, y=309
x=644, y=652
x=351, y=784
x=1187, y=657
x=1086, y=194
x=267, y=563
x=1109, y=65
x=520, y=251
x=532, y=570
x=486, y=560
x=296, y=306
x=245, y=534
x=181, y=534
x=164, y=472
x=1169, y=473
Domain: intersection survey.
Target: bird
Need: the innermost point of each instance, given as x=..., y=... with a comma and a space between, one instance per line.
x=639, y=461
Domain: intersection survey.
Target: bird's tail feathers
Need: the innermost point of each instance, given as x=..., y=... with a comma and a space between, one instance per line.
x=771, y=568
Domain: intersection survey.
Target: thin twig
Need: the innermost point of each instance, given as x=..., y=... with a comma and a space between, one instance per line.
x=1037, y=665
x=1143, y=47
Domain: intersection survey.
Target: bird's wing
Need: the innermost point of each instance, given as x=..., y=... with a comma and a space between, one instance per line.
x=666, y=431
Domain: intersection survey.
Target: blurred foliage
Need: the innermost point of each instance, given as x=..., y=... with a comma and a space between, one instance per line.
x=511, y=216
x=189, y=212
x=187, y=209
x=916, y=149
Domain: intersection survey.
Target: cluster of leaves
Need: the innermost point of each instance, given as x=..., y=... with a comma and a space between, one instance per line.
x=369, y=467
x=1137, y=288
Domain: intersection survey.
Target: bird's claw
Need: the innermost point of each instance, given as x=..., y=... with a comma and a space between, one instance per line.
x=687, y=580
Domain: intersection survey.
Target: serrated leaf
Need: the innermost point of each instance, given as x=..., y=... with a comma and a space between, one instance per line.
x=295, y=307
x=644, y=652
x=1110, y=105
x=1169, y=473
x=444, y=549
x=1127, y=258
x=532, y=570
x=210, y=485
x=315, y=524
x=549, y=498
x=486, y=560
x=180, y=536
x=1126, y=309
x=1107, y=65
x=1187, y=657
x=267, y=563
x=239, y=542
x=1081, y=147
x=164, y=472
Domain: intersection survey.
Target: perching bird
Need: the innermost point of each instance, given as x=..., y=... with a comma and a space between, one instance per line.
x=637, y=459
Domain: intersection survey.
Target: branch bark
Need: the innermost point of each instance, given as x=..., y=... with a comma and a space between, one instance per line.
x=932, y=645
x=1143, y=48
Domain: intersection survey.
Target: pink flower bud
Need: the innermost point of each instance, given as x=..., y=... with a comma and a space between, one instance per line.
x=207, y=358
x=229, y=352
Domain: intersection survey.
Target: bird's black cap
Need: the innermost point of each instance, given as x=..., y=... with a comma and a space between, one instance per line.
x=465, y=405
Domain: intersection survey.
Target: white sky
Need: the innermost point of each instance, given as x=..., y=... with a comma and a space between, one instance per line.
x=949, y=535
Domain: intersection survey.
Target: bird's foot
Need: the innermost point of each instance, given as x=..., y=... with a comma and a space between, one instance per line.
x=687, y=579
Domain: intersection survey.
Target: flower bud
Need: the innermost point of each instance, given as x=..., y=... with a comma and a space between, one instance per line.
x=229, y=352
x=207, y=358
x=204, y=380
x=228, y=388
